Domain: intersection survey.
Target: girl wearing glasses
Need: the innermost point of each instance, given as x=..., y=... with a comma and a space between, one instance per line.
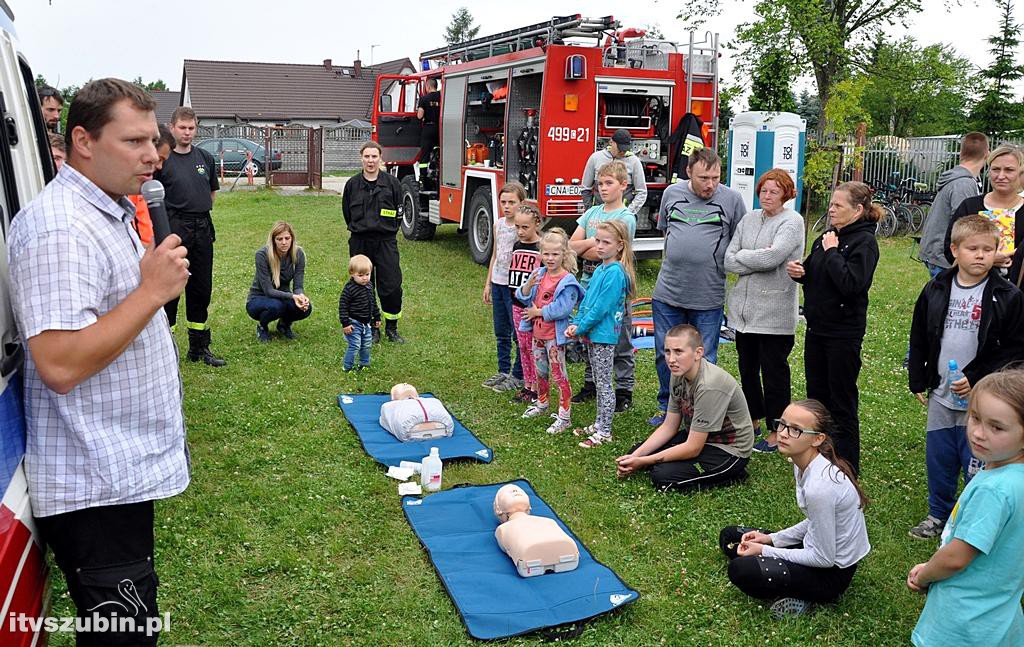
x=813, y=561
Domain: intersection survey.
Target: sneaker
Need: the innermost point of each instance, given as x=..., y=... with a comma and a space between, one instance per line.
x=763, y=447
x=656, y=419
x=285, y=330
x=508, y=384
x=583, y=432
x=594, y=440
x=349, y=369
x=262, y=334
x=492, y=380
x=559, y=425
x=789, y=607
x=587, y=392
x=623, y=400
x=524, y=396
x=930, y=528
x=535, y=409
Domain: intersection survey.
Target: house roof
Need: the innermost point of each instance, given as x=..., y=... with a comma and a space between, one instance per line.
x=282, y=91
x=166, y=102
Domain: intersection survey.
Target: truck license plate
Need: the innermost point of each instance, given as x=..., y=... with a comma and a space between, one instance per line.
x=563, y=189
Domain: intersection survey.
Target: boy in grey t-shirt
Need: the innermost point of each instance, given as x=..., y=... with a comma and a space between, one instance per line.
x=698, y=217
x=970, y=314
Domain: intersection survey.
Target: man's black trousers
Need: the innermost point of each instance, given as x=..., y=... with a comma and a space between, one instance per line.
x=387, y=271
x=197, y=235
x=106, y=555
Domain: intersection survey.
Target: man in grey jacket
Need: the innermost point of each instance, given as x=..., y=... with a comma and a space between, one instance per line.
x=955, y=185
x=620, y=148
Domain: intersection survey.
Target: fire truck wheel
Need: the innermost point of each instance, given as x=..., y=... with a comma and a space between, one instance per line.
x=481, y=225
x=415, y=226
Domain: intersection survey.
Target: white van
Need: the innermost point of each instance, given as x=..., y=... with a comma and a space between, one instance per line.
x=25, y=166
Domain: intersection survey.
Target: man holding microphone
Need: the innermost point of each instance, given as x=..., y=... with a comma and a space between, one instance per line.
x=103, y=397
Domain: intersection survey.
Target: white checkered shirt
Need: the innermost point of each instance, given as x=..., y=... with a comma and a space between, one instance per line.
x=119, y=436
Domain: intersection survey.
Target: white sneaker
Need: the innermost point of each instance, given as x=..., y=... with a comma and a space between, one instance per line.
x=535, y=409
x=559, y=425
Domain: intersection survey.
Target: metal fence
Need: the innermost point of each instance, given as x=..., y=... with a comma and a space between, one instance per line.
x=891, y=160
x=340, y=146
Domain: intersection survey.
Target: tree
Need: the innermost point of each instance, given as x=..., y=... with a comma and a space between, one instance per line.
x=917, y=91
x=997, y=112
x=151, y=86
x=825, y=35
x=809, y=107
x=461, y=28
x=770, y=83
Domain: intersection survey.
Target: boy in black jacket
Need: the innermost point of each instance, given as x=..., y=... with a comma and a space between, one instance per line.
x=358, y=313
x=970, y=314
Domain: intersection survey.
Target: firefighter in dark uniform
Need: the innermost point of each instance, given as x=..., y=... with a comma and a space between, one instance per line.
x=189, y=177
x=429, y=113
x=372, y=206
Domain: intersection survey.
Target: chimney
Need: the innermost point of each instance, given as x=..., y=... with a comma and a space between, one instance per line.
x=327, y=64
x=357, y=69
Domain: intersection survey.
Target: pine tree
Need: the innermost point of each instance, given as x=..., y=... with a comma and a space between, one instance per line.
x=997, y=112
x=461, y=28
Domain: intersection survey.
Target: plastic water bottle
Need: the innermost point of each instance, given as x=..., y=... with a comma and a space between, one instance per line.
x=955, y=374
x=430, y=474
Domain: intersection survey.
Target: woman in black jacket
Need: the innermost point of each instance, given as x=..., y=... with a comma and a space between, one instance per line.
x=1005, y=167
x=836, y=277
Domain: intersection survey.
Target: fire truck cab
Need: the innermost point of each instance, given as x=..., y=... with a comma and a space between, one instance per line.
x=532, y=104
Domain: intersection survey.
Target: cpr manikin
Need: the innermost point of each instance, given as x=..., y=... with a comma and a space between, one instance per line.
x=410, y=417
x=537, y=545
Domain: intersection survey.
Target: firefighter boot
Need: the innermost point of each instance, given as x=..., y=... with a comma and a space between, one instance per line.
x=391, y=331
x=199, y=348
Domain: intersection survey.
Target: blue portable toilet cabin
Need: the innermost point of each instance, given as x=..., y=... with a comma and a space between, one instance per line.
x=760, y=141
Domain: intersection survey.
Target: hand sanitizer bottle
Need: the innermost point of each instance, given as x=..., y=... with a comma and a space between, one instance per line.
x=430, y=474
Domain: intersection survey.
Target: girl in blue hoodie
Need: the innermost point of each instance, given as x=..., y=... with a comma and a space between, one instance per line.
x=599, y=320
x=550, y=295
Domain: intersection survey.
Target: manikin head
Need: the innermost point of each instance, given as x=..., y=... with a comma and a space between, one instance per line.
x=509, y=500
x=403, y=391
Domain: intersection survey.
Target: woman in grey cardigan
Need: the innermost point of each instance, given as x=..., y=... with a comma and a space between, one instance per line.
x=276, y=293
x=763, y=303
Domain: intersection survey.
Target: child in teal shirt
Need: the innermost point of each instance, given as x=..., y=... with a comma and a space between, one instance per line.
x=974, y=581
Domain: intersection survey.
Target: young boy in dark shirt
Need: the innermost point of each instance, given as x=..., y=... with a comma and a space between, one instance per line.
x=358, y=313
x=971, y=314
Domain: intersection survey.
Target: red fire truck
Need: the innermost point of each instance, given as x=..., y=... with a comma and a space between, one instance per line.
x=532, y=104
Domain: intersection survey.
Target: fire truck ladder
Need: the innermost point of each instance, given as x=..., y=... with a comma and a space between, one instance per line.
x=701, y=65
x=552, y=31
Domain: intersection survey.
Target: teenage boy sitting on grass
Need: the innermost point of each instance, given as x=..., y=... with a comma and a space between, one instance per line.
x=707, y=435
x=612, y=182
x=971, y=314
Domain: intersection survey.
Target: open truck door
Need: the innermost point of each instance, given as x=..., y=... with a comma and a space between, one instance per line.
x=396, y=127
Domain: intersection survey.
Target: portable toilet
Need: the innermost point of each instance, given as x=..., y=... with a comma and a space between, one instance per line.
x=760, y=141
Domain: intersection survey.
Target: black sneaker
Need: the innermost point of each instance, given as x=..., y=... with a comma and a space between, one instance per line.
x=262, y=334
x=587, y=392
x=623, y=400
x=285, y=330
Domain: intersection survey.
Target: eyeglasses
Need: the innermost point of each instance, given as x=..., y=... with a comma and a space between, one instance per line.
x=783, y=427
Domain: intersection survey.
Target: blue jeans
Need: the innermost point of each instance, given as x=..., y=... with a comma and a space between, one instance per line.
x=933, y=270
x=360, y=339
x=501, y=308
x=708, y=322
x=268, y=309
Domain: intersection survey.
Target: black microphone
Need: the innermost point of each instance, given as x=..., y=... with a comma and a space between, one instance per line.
x=153, y=194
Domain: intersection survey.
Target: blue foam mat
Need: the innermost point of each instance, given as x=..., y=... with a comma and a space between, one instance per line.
x=457, y=526
x=363, y=413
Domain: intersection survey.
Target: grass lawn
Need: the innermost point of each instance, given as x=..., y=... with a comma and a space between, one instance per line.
x=291, y=535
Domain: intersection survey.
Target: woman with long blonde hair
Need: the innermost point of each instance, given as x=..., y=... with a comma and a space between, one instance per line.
x=277, y=292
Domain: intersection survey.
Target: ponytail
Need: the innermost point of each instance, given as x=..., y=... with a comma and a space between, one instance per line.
x=825, y=424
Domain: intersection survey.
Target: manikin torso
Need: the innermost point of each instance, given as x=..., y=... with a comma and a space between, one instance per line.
x=536, y=545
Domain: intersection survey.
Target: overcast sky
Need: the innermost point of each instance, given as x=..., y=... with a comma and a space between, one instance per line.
x=70, y=41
